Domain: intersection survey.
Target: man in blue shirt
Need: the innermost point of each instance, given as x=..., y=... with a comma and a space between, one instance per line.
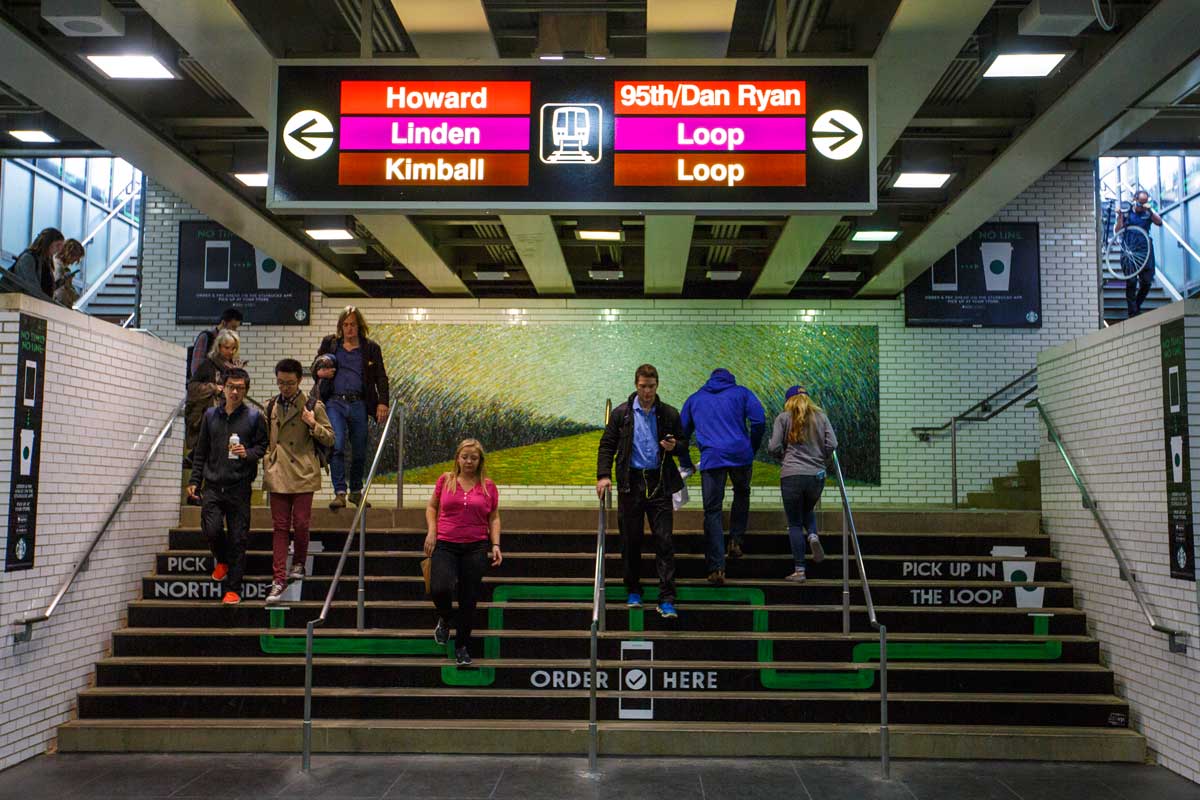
x=1141, y=215
x=718, y=414
x=643, y=433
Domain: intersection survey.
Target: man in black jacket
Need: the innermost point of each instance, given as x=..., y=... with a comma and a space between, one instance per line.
x=227, y=466
x=355, y=390
x=643, y=433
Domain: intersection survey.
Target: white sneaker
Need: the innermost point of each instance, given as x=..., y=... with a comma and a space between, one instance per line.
x=818, y=552
x=277, y=590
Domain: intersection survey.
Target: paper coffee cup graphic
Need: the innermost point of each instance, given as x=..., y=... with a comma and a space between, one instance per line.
x=267, y=270
x=997, y=265
x=1177, y=459
x=1021, y=571
x=26, y=452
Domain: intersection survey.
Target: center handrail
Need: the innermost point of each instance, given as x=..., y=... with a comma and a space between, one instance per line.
x=850, y=531
x=598, y=617
x=33, y=619
x=1176, y=639
x=358, y=528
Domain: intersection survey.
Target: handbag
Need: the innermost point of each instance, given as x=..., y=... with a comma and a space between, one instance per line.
x=426, y=563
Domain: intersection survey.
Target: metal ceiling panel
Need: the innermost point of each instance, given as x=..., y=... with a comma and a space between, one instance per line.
x=447, y=28
x=922, y=40
x=688, y=28
x=668, y=242
x=42, y=78
x=536, y=242
x=1114, y=84
x=399, y=235
x=1171, y=91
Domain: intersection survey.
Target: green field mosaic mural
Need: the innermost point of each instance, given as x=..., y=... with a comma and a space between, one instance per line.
x=534, y=393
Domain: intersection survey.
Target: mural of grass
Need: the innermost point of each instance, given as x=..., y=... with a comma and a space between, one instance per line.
x=537, y=391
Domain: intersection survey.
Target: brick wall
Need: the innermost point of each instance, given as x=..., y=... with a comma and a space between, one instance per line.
x=926, y=375
x=1104, y=395
x=107, y=392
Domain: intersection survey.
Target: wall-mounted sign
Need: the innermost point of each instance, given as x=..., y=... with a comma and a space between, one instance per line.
x=1176, y=450
x=27, y=444
x=217, y=270
x=992, y=279
x=739, y=136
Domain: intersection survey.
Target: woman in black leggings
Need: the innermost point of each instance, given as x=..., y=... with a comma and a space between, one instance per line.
x=463, y=520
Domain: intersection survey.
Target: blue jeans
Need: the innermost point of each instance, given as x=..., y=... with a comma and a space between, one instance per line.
x=800, y=496
x=348, y=418
x=712, y=487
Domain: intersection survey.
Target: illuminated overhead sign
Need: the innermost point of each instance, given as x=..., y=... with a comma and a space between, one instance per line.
x=715, y=136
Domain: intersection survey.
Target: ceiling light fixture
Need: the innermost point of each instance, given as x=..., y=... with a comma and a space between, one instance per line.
x=852, y=248
x=490, y=274
x=551, y=57
x=1024, y=65
x=252, y=179
x=373, y=274
x=921, y=180
x=33, y=137
x=599, y=235
x=131, y=67
x=606, y=274
x=723, y=274
x=329, y=234
x=841, y=276
x=875, y=236
x=353, y=247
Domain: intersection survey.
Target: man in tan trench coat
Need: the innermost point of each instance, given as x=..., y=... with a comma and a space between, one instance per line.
x=292, y=469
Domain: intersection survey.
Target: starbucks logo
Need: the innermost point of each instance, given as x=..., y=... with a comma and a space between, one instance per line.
x=300, y=315
x=1032, y=316
x=21, y=549
x=1181, y=557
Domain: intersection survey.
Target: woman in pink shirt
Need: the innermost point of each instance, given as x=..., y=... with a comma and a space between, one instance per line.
x=463, y=517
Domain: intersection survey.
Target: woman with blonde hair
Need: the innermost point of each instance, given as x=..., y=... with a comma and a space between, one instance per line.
x=204, y=389
x=803, y=440
x=463, y=520
x=64, y=277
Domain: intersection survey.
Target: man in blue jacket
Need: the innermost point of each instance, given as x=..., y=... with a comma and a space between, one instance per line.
x=718, y=414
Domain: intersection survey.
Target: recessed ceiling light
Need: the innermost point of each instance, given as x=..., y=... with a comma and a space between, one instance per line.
x=551, y=57
x=600, y=236
x=841, y=276
x=255, y=179
x=723, y=274
x=1023, y=65
x=860, y=248
x=490, y=274
x=606, y=274
x=351, y=248
x=33, y=137
x=921, y=180
x=373, y=274
x=875, y=236
x=132, y=67
x=329, y=234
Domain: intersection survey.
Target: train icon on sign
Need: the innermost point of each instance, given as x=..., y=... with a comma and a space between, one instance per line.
x=571, y=133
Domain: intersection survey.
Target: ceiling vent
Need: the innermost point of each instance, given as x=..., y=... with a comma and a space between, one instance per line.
x=1056, y=17
x=84, y=17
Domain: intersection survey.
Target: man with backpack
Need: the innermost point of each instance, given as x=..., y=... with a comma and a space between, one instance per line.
x=299, y=431
x=231, y=319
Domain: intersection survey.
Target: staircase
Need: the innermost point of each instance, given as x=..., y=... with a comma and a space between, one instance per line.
x=988, y=658
x=117, y=299
x=1116, y=308
x=1020, y=491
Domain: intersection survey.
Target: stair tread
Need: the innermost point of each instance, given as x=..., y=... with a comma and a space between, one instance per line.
x=549, y=554
x=584, y=634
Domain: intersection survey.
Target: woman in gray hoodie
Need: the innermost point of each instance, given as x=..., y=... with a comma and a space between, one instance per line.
x=803, y=440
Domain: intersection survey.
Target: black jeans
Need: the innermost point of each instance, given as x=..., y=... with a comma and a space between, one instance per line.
x=800, y=495
x=461, y=564
x=712, y=487
x=1137, y=287
x=225, y=520
x=647, y=496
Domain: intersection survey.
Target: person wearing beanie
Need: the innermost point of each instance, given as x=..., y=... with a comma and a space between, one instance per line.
x=803, y=440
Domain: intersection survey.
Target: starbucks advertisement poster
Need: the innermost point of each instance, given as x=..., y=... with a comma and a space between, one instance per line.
x=992, y=279
x=217, y=270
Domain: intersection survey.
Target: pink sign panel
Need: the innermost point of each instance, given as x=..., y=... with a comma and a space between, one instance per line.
x=435, y=133
x=730, y=134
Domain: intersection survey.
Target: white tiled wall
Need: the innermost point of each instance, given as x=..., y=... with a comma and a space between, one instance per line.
x=926, y=375
x=107, y=394
x=1104, y=396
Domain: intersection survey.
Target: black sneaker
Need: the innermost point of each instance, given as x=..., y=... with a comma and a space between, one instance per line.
x=462, y=657
x=441, y=634
x=735, y=549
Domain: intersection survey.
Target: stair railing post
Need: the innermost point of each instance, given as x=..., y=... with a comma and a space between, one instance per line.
x=845, y=575
x=400, y=457
x=954, y=459
x=884, y=745
x=306, y=755
x=362, y=570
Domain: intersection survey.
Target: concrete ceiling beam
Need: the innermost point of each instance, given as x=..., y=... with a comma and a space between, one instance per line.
x=399, y=235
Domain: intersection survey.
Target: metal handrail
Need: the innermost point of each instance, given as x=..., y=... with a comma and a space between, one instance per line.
x=131, y=191
x=29, y=621
x=850, y=534
x=1176, y=639
x=984, y=405
x=117, y=263
x=358, y=526
x=598, y=617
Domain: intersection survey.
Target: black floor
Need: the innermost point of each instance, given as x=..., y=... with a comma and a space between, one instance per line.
x=61, y=777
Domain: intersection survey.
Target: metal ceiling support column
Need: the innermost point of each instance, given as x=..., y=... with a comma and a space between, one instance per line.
x=447, y=28
x=398, y=234
x=536, y=242
x=1118, y=81
x=41, y=77
x=922, y=39
x=668, y=242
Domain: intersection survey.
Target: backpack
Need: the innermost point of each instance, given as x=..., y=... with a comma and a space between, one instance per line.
x=324, y=452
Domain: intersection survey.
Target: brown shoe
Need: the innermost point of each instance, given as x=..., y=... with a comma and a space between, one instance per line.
x=338, y=501
x=356, y=498
x=797, y=577
x=716, y=577
x=735, y=549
